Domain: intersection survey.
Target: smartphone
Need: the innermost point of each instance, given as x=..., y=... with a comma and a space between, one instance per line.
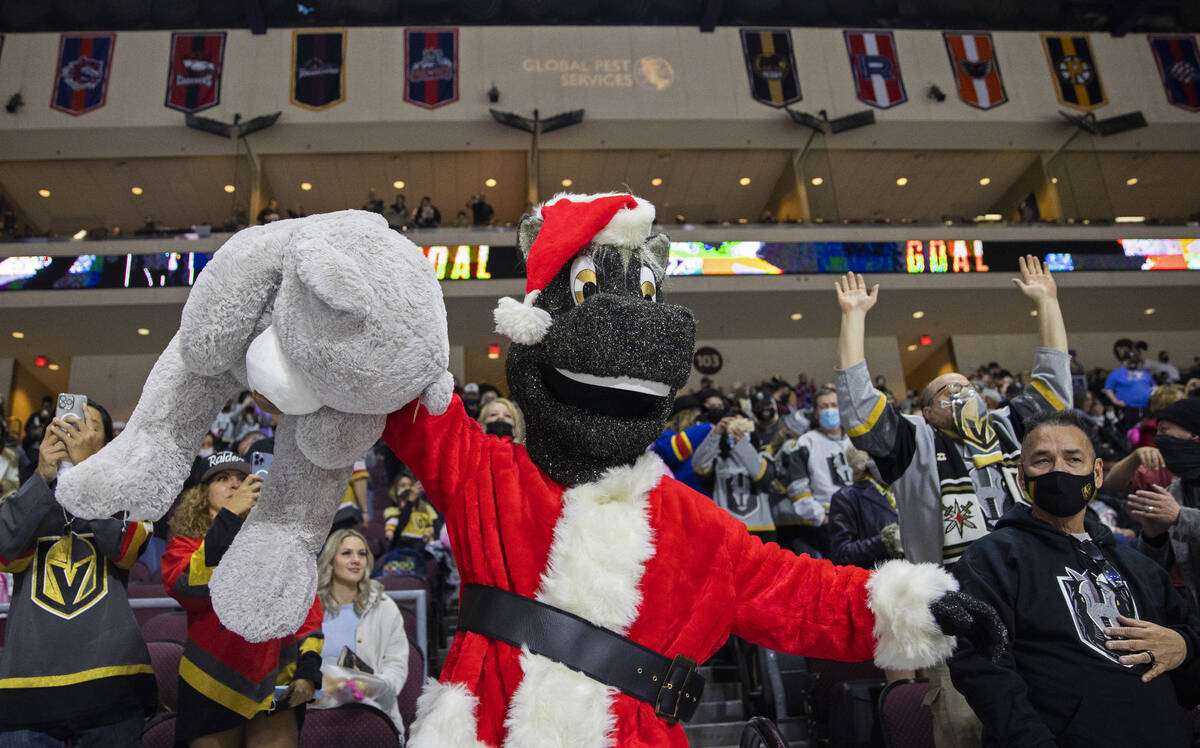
x=69, y=406
x=260, y=463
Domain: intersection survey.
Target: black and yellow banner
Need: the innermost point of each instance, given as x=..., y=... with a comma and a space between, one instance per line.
x=771, y=66
x=1074, y=69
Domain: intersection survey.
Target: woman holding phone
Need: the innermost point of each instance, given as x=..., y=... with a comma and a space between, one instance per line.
x=232, y=692
x=359, y=618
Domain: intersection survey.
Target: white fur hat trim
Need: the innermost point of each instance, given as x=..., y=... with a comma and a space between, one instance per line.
x=522, y=322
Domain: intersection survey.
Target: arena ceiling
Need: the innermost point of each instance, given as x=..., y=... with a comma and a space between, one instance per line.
x=1081, y=15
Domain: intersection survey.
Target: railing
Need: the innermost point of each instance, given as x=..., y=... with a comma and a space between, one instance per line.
x=416, y=597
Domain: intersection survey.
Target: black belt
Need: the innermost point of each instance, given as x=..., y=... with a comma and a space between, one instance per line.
x=671, y=685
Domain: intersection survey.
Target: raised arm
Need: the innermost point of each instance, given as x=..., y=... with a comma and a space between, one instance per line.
x=1038, y=284
x=855, y=301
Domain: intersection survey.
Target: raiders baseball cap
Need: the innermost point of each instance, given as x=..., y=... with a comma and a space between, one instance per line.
x=207, y=467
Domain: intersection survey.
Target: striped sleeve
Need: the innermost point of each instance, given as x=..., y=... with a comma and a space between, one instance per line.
x=18, y=564
x=872, y=424
x=133, y=542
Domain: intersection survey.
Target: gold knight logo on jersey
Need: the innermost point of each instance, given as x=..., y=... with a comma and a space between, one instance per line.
x=68, y=575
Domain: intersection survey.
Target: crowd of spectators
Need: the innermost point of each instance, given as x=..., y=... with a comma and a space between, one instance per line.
x=1098, y=470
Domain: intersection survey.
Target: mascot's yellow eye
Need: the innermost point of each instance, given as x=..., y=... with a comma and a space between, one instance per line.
x=648, y=287
x=583, y=279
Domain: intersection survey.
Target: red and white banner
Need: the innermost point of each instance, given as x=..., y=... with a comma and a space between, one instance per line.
x=876, y=68
x=976, y=71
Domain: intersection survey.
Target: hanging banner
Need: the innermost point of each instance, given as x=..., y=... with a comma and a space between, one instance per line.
x=876, y=68
x=771, y=66
x=194, y=72
x=1179, y=66
x=976, y=71
x=84, y=62
x=431, y=62
x=1076, y=78
x=318, y=68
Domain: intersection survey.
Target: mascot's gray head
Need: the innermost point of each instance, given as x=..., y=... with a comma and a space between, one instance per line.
x=597, y=353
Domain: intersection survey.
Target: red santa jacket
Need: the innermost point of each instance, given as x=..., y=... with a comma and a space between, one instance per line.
x=638, y=553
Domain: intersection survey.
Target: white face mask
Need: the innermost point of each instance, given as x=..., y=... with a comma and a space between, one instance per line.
x=206, y=452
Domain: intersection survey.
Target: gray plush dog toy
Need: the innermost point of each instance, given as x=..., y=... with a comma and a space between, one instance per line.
x=337, y=321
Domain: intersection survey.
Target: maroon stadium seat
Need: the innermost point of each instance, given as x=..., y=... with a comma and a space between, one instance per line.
x=403, y=582
x=348, y=725
x=407, y=699
x=907, y=721
x=376, y=537
x=160, y=732
x=164, y=658
x=410, y=624
x=146, y=589
x=139, y=572
x=170, y=626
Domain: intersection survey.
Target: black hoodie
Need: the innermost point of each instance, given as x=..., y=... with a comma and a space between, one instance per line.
x=1058, y=685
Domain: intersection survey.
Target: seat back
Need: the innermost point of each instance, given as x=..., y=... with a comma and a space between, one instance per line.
x=348, y=725
x=406, y=700
x=139, y=572
x=907, y=720
x=159, y=732
x=170, y=626
x=164, y=658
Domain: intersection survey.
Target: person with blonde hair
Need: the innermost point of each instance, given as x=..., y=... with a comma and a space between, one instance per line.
x=232, y=692
x=366, y=649
x=502, y=417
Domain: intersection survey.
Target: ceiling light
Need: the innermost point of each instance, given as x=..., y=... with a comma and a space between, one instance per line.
x=567, y=183
x=143, y=331
x=743, y=220
x=306, y=186
x=18, y=335
x=136, y=190
x=489, y=182
x=53, y=367
x=918, y=314
x=985, y=181
x=656, y=182
x=1130, y=219
x=1131, y=181
x=1149, y=310
x=797, y=316
x=679, y=218
x=44, y=192
x=79, y=235
x=229, y=188
x=1032, y=312
x=398, y=184
x=817, y=181
x=913, y=347
x=902, y=181
x=1053, y=180
x=744, y=181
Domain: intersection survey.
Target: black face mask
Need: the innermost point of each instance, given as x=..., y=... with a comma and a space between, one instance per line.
x=1061, y=494
x=1181, y=455
x=500, y=428
x=712, y=415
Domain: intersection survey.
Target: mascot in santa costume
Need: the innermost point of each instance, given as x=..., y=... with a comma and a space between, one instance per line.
x=593, y=582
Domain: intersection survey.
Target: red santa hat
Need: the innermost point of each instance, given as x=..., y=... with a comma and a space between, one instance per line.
x=569, y=223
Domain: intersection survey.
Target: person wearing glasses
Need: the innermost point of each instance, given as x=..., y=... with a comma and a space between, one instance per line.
x=953, y=468
x=1094, y=624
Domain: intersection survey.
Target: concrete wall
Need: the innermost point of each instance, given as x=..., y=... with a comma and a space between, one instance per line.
x=700, y=80
x=114, y=381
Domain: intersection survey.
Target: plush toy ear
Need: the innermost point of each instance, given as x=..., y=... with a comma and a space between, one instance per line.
x=436, y=396
x=658, y=247
x=527, y=231
x=330, y=275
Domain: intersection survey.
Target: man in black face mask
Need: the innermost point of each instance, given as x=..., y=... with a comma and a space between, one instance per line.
x=1173, y=512
x=1094, y=623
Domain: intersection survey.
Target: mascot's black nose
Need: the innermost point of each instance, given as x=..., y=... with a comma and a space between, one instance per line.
x=624, y=336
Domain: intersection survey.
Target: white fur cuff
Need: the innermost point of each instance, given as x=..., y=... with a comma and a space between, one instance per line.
x=906, y=635
x=522, y=322
x=445, y=717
